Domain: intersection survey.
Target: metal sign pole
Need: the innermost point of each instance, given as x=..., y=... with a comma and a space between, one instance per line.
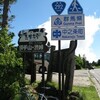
x=58, y=7
x=32, y=68
x=43, y=67
x=59, y=48
x=23, y=75
x=43, y=70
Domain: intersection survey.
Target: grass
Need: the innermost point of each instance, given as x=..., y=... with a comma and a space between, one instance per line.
x=88, y=93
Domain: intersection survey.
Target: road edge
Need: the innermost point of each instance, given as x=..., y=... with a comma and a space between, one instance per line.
x=95, y=82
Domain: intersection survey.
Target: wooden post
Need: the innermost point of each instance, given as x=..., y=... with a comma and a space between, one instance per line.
x=33, y=70
x=49, y=74
x=70, y=66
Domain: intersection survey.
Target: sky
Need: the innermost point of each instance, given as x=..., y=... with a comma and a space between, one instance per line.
x=31, y=14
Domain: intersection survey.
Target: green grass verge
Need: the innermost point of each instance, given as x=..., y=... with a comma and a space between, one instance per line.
x=88, y=93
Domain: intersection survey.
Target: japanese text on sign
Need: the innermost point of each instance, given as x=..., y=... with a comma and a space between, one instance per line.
x=29, y=48
x=31, y=35
x=67, y=20
x=68, y=33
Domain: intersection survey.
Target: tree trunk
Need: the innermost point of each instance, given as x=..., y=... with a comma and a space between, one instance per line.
x=5, y=14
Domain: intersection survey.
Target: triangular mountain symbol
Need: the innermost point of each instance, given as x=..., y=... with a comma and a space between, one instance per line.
x=75, y=8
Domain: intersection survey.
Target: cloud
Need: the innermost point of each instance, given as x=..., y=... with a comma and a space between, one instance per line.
x=92, y=25
x=47, y=26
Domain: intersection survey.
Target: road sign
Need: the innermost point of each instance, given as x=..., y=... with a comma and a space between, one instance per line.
x=31, y=48
x=75, y=8
x=70, y=20
x=73, y=33
x=32, y=35
x=58, y=6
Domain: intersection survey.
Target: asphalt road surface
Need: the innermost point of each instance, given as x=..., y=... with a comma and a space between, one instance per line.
x=95, y=73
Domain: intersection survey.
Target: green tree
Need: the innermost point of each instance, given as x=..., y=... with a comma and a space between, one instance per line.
x=11, y=69
x=94, y=63
x=84, y=61
x=4, y=16
x=79, y=62
x=98, y=62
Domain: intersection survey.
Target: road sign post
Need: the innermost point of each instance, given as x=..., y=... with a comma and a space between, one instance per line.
x=58, y=7
x=67, y=27
x=32, y=41
x=77, y=32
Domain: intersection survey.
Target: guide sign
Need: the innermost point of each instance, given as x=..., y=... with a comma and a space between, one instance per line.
x=73, y=33
x=70, y=20
x=69, y=27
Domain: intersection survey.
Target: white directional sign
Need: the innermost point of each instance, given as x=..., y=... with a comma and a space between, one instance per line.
x=73, y=33
x=70, y=20
x=32, y=35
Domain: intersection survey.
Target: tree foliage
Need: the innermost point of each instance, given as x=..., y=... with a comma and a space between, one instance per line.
x=79, y=62
x=98, y=62
x=11, y=69
x=4, y=9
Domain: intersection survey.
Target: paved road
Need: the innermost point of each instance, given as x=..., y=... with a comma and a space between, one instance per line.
x=96, y=74
x=81, y=78
x=96, y=78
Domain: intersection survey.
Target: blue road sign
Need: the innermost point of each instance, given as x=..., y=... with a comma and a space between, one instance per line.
x=56, y=33
x=75, y=8
x=58, y=6
x=72, y=33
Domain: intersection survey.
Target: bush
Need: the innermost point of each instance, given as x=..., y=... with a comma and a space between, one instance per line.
x=11, y=69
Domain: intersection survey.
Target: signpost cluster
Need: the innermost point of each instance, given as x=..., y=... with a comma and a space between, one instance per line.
x=69, y=26
x=33, y=41
x=66, y=27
